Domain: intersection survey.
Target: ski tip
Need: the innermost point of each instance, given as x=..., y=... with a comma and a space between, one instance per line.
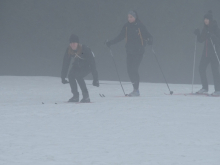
x=101, y=95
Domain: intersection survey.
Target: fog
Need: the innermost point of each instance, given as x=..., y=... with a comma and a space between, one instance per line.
x=34, y=35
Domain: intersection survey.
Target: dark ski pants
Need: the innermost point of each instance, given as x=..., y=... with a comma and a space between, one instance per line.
x=77, y=76
x=205, y=61
x=133, y=64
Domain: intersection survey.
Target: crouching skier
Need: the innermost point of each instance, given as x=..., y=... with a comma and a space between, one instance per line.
x=136, y=36
x=83, y=63
x=210, y=35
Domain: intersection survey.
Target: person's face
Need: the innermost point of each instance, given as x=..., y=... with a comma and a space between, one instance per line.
x=131, y=19
x=206, y=21
x=74, y=45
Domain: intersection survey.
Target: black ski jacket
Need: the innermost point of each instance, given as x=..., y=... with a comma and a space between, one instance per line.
x=208, y=34
x=135, y=34
x=83, y=59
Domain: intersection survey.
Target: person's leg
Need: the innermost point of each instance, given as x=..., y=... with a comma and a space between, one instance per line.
x=130, y=68
x=133, y=64
x=135, y=71
x=80, y=79
x=72, y=81
x=73, y=85
x=202, y=70
x=215, y=73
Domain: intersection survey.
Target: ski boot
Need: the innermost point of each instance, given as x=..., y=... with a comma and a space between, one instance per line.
x=135, y=93
x=216, y=94
x=85, y=98
x=74, y=99
x=202, y=92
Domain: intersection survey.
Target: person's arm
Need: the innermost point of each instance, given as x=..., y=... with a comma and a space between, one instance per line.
x=91, y=58
x=65, y=66
x=201, y=37
x=215, y=35
x=119, y=38
x=146, y=35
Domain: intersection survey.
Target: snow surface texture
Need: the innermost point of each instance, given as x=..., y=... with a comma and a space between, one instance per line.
x=154, y=129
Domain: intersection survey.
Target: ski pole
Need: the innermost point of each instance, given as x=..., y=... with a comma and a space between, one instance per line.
x=215, y=50
x=117, y=71
x=171, y=92
x=194, y=62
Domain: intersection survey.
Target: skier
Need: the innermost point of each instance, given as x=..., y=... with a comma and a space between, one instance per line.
x=211, y=36
x=83, y=63
x=136, y=36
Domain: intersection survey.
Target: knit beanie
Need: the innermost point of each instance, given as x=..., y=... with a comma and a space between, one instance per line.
x=209, y=16
x=133, y=13
x=74, y=38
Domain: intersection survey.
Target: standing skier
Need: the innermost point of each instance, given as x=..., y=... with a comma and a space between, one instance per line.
x=83, y=63
x=136, y=36
x=210, y=35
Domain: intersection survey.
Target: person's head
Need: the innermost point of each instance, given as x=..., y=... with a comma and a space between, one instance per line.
x=74, y=41
x=208, y=18
x=132, y=16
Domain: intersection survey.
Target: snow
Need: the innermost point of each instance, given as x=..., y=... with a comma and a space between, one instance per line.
x=154, y=129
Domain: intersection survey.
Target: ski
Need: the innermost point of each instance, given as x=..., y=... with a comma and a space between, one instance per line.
x=195, y=94
x=56, y=103
x=177, y=94
x=212, y=95
x=120, y=96
x=77, y=103
x=192, y=94
x=101, y=95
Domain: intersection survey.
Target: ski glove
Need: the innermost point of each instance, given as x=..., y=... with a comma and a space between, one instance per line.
x=64, y=81
x=95, y=83
x=197, y=32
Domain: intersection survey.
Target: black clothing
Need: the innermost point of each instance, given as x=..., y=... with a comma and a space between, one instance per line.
x=83, y=59
x=133, y=62
x=78, y=76
x=210, y=33
x=197, y=32
x=83, y=64
x=74, y=39
x=209, y=16
x=137, y=37
x=215, y=71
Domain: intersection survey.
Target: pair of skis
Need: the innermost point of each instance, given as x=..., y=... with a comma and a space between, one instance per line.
x=193, y=94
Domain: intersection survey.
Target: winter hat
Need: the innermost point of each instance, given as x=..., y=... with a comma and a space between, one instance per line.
x=74, y=38
x=209, y=16
x=133, y=13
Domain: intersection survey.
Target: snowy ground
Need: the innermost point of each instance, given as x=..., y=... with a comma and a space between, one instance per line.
x=154, y=129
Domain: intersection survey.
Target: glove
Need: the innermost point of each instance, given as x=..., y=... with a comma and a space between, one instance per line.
x=108, y=43
x=197, y=32
x=209, y=35
x=150, y=41
x=64, y=81
x=95, y=83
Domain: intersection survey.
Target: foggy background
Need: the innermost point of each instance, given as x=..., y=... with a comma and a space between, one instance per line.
x=34, y=35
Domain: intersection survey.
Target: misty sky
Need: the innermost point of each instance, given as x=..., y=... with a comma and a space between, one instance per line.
x=34, y=35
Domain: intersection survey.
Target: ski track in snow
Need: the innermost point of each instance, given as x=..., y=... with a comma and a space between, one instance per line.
x=154, y=129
